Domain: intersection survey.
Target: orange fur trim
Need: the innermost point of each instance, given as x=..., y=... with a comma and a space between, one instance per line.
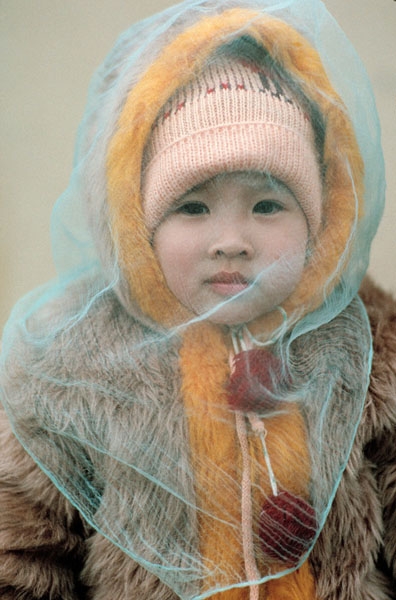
x=298, y=585
x=178, y=63
x=204, y=370
x=216, y=460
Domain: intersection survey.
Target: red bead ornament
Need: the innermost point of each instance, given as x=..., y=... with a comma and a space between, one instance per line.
x=252, y=381
x=287, y=527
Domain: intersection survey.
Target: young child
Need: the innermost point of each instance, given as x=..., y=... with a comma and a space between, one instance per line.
x=201, y=406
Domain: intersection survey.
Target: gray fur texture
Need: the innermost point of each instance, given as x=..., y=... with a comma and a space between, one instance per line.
x=48, y=552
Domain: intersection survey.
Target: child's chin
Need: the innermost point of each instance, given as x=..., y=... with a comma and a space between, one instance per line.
x=232, y=315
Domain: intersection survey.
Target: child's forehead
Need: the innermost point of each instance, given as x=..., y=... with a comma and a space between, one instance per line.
x=253, y=179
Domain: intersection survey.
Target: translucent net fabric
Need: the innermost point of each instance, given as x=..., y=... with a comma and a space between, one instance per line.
x=209, y=454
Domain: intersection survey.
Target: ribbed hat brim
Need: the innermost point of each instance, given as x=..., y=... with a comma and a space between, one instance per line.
x=264, y=147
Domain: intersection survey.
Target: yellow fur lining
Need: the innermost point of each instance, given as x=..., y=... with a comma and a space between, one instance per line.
x=204, y=369
x=299, y=585
x=177, y=64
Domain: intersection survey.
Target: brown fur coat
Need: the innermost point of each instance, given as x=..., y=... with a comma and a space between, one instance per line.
x=48, y=552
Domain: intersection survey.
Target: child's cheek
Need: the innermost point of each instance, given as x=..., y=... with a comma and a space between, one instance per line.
x=176, y=253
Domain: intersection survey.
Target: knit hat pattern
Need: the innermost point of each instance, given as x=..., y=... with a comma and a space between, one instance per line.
x=233, y=117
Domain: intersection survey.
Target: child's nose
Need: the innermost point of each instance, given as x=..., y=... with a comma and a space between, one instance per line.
x=231, y=243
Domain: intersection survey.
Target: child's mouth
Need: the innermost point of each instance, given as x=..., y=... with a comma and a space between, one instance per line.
x=228, y=284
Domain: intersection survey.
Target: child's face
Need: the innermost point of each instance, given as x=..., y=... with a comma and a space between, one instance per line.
x=233, y=247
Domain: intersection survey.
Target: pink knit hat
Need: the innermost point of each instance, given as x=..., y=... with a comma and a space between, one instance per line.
x=233, y=117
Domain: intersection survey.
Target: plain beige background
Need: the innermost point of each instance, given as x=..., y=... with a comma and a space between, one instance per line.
x=50, y=49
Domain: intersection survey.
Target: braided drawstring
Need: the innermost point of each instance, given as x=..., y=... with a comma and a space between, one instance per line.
x=251, y=569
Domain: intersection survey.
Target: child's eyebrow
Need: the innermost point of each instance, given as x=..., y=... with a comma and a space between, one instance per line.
x=261, y=182
x=199, y=186
x=266, y=183
x=264, y=180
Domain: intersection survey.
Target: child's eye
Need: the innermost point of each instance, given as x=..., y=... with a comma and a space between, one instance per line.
x=193, y=208
x=267, y=207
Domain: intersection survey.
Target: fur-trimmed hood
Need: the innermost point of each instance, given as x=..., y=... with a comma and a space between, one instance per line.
x=116, y=207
